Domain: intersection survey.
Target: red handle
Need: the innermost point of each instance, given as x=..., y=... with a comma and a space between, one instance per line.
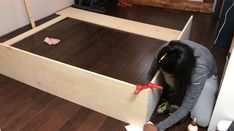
x=139, y=88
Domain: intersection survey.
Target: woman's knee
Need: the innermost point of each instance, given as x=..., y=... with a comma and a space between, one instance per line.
x=203, y=121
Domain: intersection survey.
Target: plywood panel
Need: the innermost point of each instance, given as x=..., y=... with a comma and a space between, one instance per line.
x=139, y=28
x=100, y=93
x=185, y=33
x=33, y=31
x=29, y=12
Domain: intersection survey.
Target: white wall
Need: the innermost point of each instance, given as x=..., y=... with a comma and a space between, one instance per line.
x=224, y=108
x=13, y=13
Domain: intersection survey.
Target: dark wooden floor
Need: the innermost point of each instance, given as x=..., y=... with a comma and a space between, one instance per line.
x=120, y=55
x=113, y=53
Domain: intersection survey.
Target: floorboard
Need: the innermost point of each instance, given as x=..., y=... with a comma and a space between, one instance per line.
x=103, y=50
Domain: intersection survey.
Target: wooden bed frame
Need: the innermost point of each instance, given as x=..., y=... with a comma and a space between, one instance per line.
x=103, y=94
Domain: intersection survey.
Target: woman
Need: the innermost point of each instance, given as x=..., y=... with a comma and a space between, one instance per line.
x=191, y=73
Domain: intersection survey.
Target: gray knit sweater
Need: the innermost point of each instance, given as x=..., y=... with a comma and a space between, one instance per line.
x=205, y=68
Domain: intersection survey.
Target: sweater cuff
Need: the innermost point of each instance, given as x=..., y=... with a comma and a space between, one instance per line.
x=160, y=127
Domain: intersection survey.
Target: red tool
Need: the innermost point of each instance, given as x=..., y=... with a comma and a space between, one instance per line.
x=124, y=4
x=139, y=88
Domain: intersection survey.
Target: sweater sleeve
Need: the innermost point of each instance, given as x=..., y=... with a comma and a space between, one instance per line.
x=194, y=90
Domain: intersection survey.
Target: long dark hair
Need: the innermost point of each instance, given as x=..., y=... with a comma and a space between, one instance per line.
x=178, y=59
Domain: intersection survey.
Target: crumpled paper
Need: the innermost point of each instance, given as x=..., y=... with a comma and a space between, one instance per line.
x=51, y=41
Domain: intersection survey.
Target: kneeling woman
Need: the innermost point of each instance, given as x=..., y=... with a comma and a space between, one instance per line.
x=190, y=71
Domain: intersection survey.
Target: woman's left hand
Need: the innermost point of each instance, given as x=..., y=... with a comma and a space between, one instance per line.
x=150, y=127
